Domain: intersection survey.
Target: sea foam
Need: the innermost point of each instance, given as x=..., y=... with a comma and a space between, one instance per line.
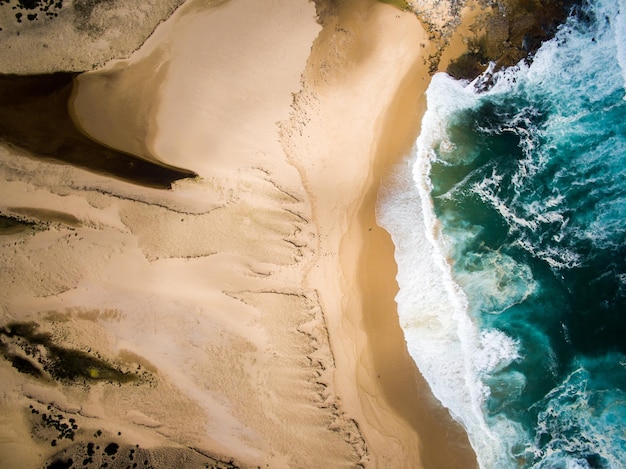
x=449, y=349
x=507, y=220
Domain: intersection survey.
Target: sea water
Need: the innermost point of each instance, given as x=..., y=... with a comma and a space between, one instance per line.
x=509, y=221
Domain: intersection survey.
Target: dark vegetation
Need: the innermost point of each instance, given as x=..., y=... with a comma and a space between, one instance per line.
x=81, y=447
x=11, y=225
x=54, y=423
x=33, y=10
x=83, y=20
x=110, y=454
x=35, y=353
x=34, y=116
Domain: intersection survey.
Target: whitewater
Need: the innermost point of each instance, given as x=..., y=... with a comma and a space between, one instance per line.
x=508, y=223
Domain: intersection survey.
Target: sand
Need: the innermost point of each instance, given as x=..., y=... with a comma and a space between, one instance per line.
x=243, y=317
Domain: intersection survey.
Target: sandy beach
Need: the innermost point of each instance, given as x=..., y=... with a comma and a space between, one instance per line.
x=237, y=310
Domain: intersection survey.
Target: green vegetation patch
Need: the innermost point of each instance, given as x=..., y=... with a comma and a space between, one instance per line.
x=34, y=353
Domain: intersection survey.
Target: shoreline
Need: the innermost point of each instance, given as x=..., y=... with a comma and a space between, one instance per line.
x=444, y=443
x=387, y=380
x=257, y=297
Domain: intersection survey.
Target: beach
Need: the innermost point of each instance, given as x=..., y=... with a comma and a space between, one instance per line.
x=237, y=310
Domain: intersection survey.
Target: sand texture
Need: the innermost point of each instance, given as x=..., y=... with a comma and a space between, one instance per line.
x=192, y=275
x=47, y=36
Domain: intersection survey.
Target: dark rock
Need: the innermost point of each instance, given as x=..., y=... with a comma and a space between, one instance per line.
x=510, y=33
x=111, y=449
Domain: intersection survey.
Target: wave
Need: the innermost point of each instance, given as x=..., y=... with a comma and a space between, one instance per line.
x=508, y=224
x=448, y=348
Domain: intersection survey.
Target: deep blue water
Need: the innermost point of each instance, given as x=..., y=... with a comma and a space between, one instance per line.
x=509, y=222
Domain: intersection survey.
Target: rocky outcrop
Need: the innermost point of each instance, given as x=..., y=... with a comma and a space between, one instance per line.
x=507, y=32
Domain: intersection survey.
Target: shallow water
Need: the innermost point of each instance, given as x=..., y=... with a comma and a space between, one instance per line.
x=508, y=222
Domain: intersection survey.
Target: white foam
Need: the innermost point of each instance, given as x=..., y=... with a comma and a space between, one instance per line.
x=580, y=420
x=487, y=189
x=496, y=282
x=450, y=350
x=446, y=345
x=576, y=50
x=620, y=41
x=497, y=350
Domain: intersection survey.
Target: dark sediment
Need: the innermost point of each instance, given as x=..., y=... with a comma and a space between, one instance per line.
x=34, y=116
x=91, y=454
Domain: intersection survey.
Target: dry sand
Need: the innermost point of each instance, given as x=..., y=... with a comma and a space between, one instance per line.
x=245, y=317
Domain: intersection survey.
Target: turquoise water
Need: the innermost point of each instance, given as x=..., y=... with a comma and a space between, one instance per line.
x=509, y=222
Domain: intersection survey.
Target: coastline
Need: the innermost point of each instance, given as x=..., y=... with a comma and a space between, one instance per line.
x=257, y=298
x=402, y=422
x=444, y=443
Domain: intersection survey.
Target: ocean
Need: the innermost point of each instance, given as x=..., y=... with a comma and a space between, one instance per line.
x=509, y=222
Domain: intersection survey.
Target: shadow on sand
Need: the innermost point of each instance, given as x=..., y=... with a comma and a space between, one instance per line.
x=34, y=116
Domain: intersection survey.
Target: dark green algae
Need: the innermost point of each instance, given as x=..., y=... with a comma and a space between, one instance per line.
x=36, y=354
